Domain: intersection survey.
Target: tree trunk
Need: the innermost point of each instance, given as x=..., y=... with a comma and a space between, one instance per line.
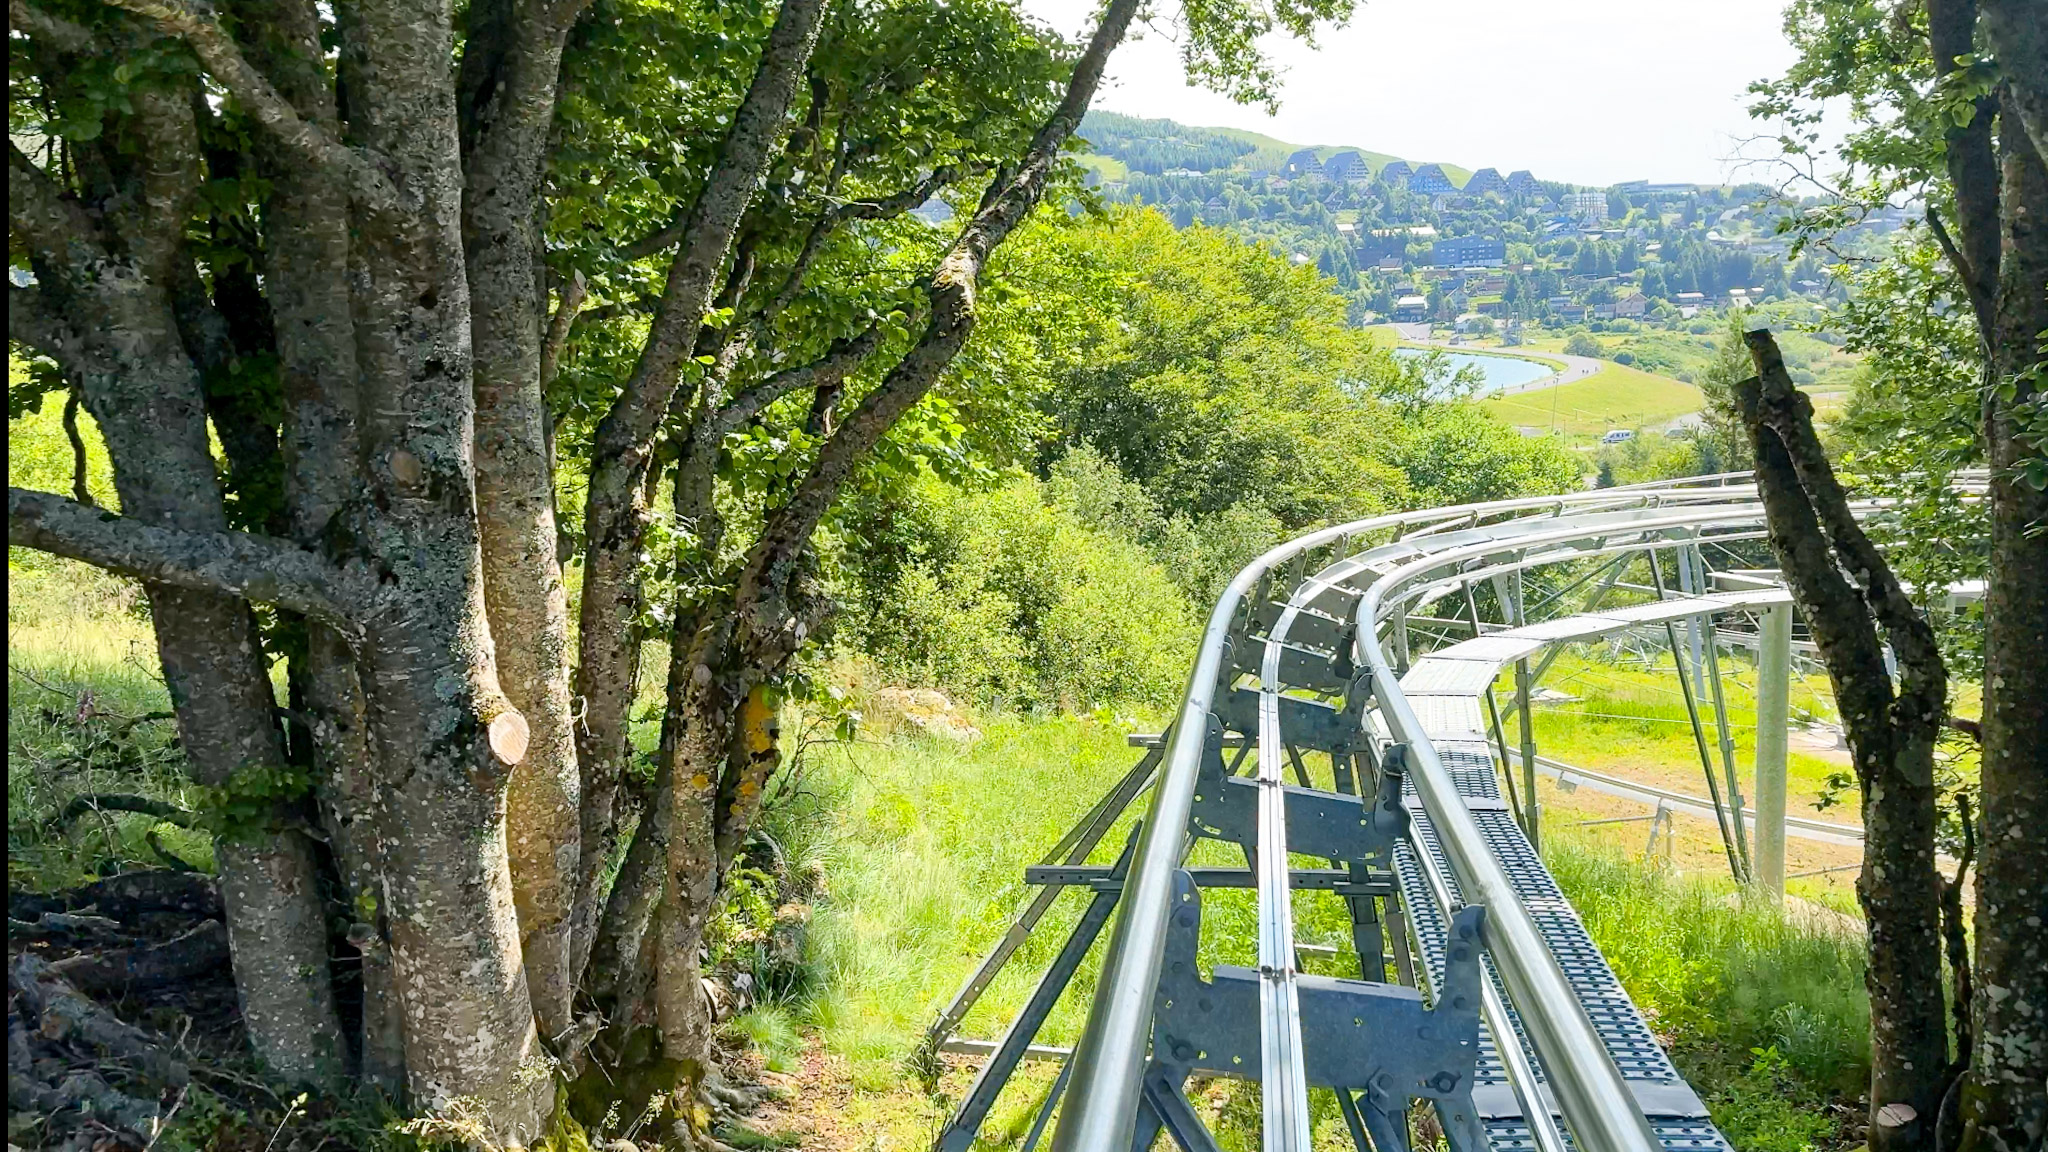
x=306, y=246
x=111, y=325
x=443, y=735
x=1891, y=737
x=617, y=504
x=511, y=58
x=2006, y=1099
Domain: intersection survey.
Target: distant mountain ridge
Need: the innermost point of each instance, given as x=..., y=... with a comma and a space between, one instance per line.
x=1156, y=146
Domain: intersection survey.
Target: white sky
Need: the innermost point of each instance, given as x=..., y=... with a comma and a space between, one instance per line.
x=1586, y=91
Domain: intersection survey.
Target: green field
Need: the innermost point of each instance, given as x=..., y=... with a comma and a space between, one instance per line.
x=1615, y=397
x=1108, y=169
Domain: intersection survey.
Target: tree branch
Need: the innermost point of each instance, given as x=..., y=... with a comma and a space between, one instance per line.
x=223, y=59
x=31, y=321
x=80, y=490
x=1981, y=303
x=54, y=226
x=256, y=568
x=567, y=308
x=59, y=33
x=628, y=429
x=1790, y=414
x=826, y=371
x=1837, y=616
x=951, y=293
x=880, y=208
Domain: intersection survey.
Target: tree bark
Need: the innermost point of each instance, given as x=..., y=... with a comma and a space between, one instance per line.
x=2005, y=1102
x=122, y=346
x=511, y=59
x=1891, y=738
x=443, y=735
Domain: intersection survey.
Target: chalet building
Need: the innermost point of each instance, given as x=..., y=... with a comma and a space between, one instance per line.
x=1603, y=311
x=1411, y=309
x=1431, y=181
x=1396, y=172
x=1633, y=304
x=1347, y=167
x=1303, y=162
x=1520, y=183
x=1468, y=252
x=1485, y=180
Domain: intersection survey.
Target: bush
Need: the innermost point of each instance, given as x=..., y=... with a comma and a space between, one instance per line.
x=1583, y=344
x=1200, y=555
x=1010, y=599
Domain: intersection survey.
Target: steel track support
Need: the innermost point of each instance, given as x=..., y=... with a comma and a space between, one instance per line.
x=959, y=1133
x=1699, y=732
x=1079, y=841
x=1773, y=717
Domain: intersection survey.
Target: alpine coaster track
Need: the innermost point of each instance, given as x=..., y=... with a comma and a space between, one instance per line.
x=1461, y=935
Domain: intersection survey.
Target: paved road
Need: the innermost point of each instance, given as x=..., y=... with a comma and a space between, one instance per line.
x=1576, y=367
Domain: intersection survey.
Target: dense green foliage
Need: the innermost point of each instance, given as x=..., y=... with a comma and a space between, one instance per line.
x=1008, y=596
x=1199, y=399
x=1914, y=417
x=1220, y=376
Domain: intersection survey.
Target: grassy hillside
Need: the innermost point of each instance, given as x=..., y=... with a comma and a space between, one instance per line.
x=1615, y=397
x=1270, y=152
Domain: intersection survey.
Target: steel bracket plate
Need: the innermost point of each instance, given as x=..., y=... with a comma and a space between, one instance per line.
x=1360, y=1036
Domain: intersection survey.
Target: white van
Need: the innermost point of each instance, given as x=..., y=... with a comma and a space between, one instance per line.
x=1618, y=436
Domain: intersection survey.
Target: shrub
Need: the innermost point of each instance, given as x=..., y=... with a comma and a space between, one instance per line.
x=1012, y=600
x=1583, y=344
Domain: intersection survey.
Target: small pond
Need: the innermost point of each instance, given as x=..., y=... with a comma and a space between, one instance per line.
x=1500, y=372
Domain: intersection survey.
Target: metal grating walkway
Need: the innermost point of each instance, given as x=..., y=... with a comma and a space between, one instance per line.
x=1677, y=1115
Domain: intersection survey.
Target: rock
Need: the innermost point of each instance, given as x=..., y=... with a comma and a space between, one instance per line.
x=923, y=711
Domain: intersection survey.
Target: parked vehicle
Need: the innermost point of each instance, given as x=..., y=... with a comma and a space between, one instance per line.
x=1618, y=436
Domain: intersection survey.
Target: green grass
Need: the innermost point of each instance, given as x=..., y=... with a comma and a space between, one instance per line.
x=924, y=841
x=1615, y=397
x=1656, y=736
x=1108, y=168
x=1766, y=1016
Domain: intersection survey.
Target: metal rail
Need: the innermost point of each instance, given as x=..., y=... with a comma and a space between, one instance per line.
x=1107, y=1082
x=1563, y=1055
